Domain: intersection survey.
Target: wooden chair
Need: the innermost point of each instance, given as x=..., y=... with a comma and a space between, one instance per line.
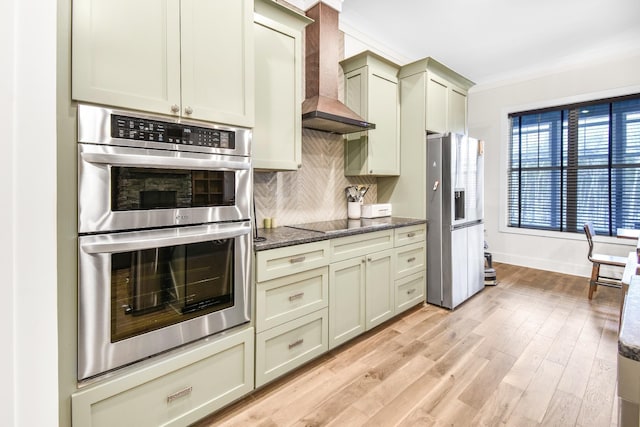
x=599, y=259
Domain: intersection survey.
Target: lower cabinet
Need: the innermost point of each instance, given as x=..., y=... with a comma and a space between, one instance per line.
x=410, y=291
x=379, y=290
x=176, y=391
x=347, y=300
x=316, y=296
x=361, y=288
x=285, y=347
x=292, y=320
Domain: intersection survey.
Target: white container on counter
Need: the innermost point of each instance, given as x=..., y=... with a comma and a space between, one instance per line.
x=376, y=210
x=353, y=210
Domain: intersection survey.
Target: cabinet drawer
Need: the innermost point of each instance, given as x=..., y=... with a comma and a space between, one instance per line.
x=360, y=244
x=287, y=298
x=280, y=262
x=410, y=259
x=211, y=376
x=288, y=346
x=412, y=234
x=410, y=291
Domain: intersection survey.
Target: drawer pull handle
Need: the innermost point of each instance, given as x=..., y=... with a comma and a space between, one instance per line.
x=298, y=259
x=411, y=234
x=411, y=291
x=296, y=343
x=296, y=296
x=178, y=394
x=411, y=259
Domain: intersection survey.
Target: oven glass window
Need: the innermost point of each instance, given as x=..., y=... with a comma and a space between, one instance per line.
x=152, y=188
x=154, y=288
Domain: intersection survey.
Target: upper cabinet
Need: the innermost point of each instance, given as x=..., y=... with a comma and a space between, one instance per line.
x=189, y=58
x=433, y=99
x=371, y=90
x=444, y=94
x=277, y=135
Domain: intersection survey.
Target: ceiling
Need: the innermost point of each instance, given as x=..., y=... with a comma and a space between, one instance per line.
x=493, y=40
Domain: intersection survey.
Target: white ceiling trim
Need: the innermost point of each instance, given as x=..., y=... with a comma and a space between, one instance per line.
x=356, y=42
x=308, y=4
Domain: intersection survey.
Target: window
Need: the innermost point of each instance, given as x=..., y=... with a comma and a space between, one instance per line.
x=576, y=163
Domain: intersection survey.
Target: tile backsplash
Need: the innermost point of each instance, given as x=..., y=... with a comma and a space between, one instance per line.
x=315, y=192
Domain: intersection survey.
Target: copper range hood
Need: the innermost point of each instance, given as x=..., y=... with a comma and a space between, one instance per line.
x=321, y=109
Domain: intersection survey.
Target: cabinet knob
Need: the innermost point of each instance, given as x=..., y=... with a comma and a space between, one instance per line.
x=188, y=110
x=371, y=171
x=175, y=108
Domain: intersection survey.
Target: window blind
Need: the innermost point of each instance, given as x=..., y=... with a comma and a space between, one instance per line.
x=576, y=163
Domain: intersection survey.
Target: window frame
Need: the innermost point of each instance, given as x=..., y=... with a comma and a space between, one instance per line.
x=505, y=135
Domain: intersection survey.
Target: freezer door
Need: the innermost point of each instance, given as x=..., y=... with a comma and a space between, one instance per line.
x=475, y=259
x=459, y=290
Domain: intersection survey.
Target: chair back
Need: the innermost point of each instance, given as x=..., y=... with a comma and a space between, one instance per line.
x=589, y=232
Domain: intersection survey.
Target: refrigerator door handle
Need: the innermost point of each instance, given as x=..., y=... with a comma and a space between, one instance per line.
x=435, y=185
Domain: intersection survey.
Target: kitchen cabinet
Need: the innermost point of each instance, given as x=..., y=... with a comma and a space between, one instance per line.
x=361, y=290
x=379, y=289
x=433, y=99
x=371, y=90
x=347, y=300
x=277, y=135
x=410, y=266
x=292, y=290
x=189, y=58
x=316, y=296
x=444, y=93
x=174, y=390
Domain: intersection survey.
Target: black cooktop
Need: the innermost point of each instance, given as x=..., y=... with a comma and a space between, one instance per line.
x=338, y=225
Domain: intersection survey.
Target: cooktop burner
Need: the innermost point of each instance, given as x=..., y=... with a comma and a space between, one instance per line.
x=337, y=225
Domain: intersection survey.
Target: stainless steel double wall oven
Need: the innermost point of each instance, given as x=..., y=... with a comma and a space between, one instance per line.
x=164, y=234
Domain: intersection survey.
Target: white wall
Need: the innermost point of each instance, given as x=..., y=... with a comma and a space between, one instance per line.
x=488, y=108
x=28, y=334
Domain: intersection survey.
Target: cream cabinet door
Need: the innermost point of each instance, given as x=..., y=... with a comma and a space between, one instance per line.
x=384, y=111
x=217, y=61
x=457, y=111
x=372, y=91
x=277, y=134
x=380, y=288
x=437, y=108
x=176, y=391
x=127, y=53
x=346, y=300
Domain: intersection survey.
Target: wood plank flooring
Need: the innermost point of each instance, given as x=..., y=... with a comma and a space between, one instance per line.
x=531, y=351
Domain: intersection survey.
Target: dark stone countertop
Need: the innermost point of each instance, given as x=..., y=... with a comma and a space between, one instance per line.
x=629, y=337
x=289, y=236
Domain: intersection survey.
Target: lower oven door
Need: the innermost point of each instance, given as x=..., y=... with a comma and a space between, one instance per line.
x=145, y=292
x=125, y=188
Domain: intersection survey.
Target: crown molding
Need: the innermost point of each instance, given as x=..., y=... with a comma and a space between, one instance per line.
x=307, y=4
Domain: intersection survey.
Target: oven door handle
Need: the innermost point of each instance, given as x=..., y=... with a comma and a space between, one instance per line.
x=125, y=242
x=165, y=161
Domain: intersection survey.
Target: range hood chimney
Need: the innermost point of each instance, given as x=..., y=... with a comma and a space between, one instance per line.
x=321, y=109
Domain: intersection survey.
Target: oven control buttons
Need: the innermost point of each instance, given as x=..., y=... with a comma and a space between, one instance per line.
x=131, y=128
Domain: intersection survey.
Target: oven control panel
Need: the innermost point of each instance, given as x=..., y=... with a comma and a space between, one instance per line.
x=139, y=129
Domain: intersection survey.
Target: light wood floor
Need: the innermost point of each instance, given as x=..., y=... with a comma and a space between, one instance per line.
x=531, y=351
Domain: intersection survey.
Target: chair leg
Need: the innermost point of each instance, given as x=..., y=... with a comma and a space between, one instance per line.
x=593, y=282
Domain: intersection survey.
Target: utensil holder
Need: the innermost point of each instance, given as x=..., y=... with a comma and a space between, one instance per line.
x=353, y=210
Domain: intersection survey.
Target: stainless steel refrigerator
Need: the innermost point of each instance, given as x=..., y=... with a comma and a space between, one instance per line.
x=455, y=211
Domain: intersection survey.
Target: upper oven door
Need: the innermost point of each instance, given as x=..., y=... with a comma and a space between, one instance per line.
x=123, y=188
